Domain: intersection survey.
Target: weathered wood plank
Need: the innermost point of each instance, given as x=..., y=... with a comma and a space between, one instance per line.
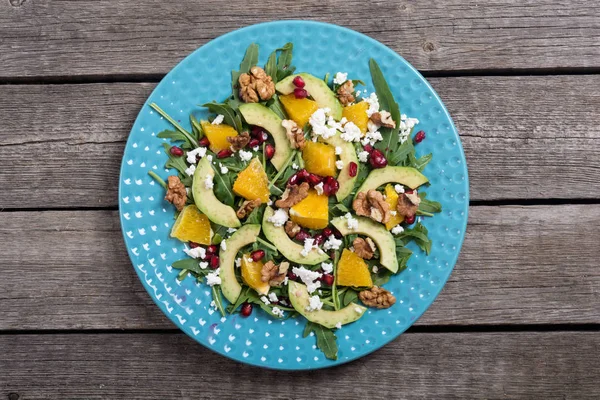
x=69, y=270
x=67, y=38
x=558, y=365
x=66, y=141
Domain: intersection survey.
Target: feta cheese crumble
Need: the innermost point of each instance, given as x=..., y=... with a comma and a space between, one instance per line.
x=309, y=278
x=314, y=303
x=406, y=127
x=319, y=188
x=295, y=166
x=338, y=150
x=340, y=78
x=231, y=230
x=213, y=278
x=397, y=230
x=245, y=155
x=363, y=156
x=321, y=125
x=198, y=252
x=273, y=297
x=373, y=102
x=224, y=169
x=339, y=164
x=203, y=265
x=351, y=132
x=278, y=311
x=338, y=325
x=218, y=119
x=308, y=246
x=192, y=155
x=375, y=269
x=327, y=267
x=238, y=262
x=190, y=171
x=224, y=245
x=255, y=148
x=352, y=222
x=279, y=218
x=399, y=188
x=332, y=243
x=208, y=182
x=265, y=300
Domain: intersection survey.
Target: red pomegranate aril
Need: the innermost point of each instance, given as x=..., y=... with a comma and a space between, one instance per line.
x=368, y=148
x=303, y=174
x=214, y=262
x=337, y=234
x=409, y=191
x=313, y=179
x=327, y=232
x=410, y=219
x=302, y=236
x=327, y=279
x=263, y=137
x=352, y=169
x=176, y=151
x=330, y=185
x=204, y=142
x=269, y=151
x=246, y=309
x=419, y=136
x=193, y=245
x=255, y=131
x=319, y=238
x=257, y=255
x=298, y=82
x=300, y=93
x=292, y=276
x=224, y=153
x=377, y=159
x=212, y=249
x=293, y=180
x=253, y=142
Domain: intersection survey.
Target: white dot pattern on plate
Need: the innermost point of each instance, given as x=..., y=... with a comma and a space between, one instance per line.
x=146, y=218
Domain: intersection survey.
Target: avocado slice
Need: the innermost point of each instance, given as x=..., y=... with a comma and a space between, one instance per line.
x=348, y=155
x=329, y=319
x=259, y=115
x=407, y=176
x=315, y=87
x=382, y=238
x=230, y=287
x=207, y=202
x=290, y=249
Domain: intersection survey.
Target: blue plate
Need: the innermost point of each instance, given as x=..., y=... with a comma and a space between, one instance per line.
x=146, y=219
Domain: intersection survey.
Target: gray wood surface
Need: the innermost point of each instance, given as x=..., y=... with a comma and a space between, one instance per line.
x=66, y=141
x=553, y=365
x=121, y=38
x=516, y=267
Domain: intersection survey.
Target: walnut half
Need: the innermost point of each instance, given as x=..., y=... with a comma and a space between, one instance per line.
x=364, y=248
x=377, y=297
x=176, y=192
x=372, y=205
x=293, y=195
x=408, y=204
x=239, y=142
x=294, y=133
x=274, y=274
x=383, y=118
x=256, y=86
x=247, y=207
x=345, y=93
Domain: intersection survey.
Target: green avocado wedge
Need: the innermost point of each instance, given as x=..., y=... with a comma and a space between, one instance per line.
x=376, y=231
x=407, y=176
x=259, y=115
x=286, y=246
x=230, y=287
x=348, y=155
x=207, y=202
x=299, y=298
x=317, y=89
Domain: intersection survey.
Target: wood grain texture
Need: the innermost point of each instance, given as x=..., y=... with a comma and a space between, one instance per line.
x=66, y=141
x=558, y=365
x=517, y=266
x=95, y=38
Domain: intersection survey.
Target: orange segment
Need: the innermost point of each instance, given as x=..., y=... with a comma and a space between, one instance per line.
x=217, y=135
x=353, y=271
x=192, y=226
x=319, y=158
x=298, y=110
x=312, y=212
x=252, y=183
x=391, y=197
x=357, y=113
x=251, y=274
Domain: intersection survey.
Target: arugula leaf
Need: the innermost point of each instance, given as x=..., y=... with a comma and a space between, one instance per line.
x=231, y=117
x=271, y=66
x=256, y=215
x=250, y=58
x=196, y=128
x=224, y=188
x=175, y=162
x=349, y=297
x=284, y=63
x=175, y=136
x=275, y=105
x=422, y=162
x=386, y=102
x=400, y=156
x=190, y=264
x=216, y=294
x=381, y=277
x=325, y=339
x=429, y=206
x=418, y=234
x=243, y=297
x=403, y=255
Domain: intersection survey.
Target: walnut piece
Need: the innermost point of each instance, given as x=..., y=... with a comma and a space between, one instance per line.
x=292, y=228
x=294, y=133
x=408, y=204
x=383, y=118
x=377, y=297
x=345, y=93
x=176, y=192
x=274, y=274
x=247, y=207
x=256, y=86
x=364, y=248
x=238, y=142
x=372, y=205
x=293, y=195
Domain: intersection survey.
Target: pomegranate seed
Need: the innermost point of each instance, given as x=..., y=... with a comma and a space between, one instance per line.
x=330, y=185
x=257, y=255
x=352, y=169
x=246, y=309
x=327, y=279
x=256, y=131
x=269, y=151
x=337, y=234
x=212, y=250
x=224, y=153
x=409, y=191
x=300, y=93
x=377, y=159
x=292, y=276
x=314, y=180
x=214, y=262
x=253, y=142
x=263, y=137
x=368, y=148
x=419, y=137
x=319, y=238
x=204, y=142
x=293, y=180
x=303, y=174
x=193, y=245
x=176, y=151
x=302, y=235
x=327, y=232
x=298, y=81
x=410, y=219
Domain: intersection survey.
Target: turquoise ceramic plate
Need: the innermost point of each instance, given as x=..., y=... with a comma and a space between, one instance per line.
x=146, y=218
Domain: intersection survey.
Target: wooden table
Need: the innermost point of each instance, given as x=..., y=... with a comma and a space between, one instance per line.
x=520, y=316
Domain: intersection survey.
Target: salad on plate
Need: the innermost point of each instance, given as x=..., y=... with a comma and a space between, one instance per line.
x=299, y=195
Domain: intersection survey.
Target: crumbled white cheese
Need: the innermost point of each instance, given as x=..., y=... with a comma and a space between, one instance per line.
x=270, y=202
x=371, y=138
x=397, y=230
x=209, y=158
x=319, y=188
x=198, y=252
x=372, y=126
x=399, y=188
x=218, y=119
x=343, y=121
x=373, y=102
x=332, y=243
x=223, y=245
x=245, y=155
x=314, y=303
x=265, y=300
x=213, y=278
x=375, y=269
x=224, y=169
x=190, y=171
x=393, y=212
x=279, y=218
x=208, y=182
x=338, y=325
x=278, y=311
x=327, y=267
x=351, y=132
x=231, y=230
x=339, y=164
x=238, y=262
x=358, y=92
x=338, y=150
x=285, y=280
x=192, y=155
x=255, y=148
x=308, y=277
x=340, y=78
x=363, y=156
x=308, y=246
x=406, y=127
x=352, y=222
x=273, y=297
x=295, y=166
x=358, y=310
x=321, y=125
x=203, y=265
